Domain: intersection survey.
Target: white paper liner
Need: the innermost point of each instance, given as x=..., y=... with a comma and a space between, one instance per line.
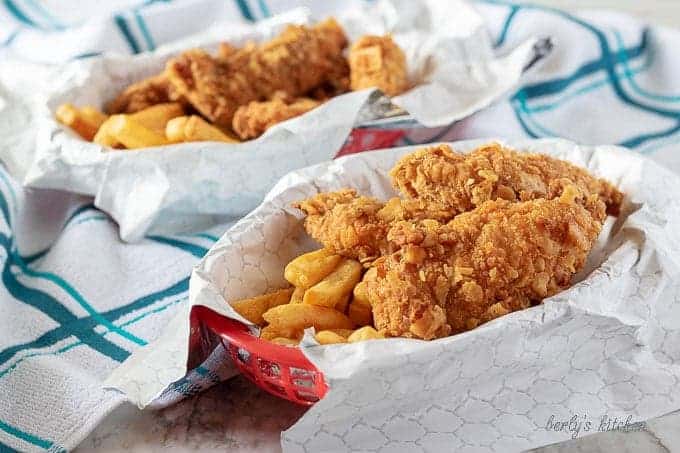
x=184, y=187
x=608, y=346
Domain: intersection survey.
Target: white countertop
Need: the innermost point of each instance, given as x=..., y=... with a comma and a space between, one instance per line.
x=235, y=416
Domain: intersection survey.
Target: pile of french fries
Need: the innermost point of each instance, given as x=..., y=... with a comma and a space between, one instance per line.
x=158, y=125
x=328, y=293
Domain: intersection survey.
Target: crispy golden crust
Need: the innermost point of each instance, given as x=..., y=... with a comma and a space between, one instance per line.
x=252, y=120
x=297, y=61
x=143, y=94
x=492, y=172
x=377, y=61
x=356, y=226
x=213, y=86
x=498, y=258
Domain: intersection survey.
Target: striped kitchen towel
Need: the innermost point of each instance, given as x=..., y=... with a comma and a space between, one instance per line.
x=75, y=301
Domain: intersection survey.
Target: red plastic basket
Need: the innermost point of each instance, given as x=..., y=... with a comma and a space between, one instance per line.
x=280, y=370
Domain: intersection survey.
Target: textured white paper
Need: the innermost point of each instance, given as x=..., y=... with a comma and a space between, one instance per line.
x=183, y=187
x=609, y=345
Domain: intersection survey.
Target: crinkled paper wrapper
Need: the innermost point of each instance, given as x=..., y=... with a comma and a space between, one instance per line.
x=608, y=346
x=189, y=186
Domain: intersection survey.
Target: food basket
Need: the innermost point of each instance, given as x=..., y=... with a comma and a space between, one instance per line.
x=280, y=370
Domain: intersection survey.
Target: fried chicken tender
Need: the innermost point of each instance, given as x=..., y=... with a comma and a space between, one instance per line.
x=252, y=120
x=298, y=60
x=143, y=94
x=491, y=172
x=498, y=258
x=213, y=86
x=356, y=226
x=377, y=61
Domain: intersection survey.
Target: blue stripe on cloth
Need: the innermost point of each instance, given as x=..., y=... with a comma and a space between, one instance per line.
x=18, y=14
x=52, y=308
x=264, y=8
x=210, y=237
x=84, y=326
x=10, y=39
x=84, y=55
x=150, y=44
x=245, y=9
x=125, y=31
x=40, y=9
x=26, y=437
x=506, y=25
x=194, y=249
x=77, y=343
x=71, y=291
x=630, y=77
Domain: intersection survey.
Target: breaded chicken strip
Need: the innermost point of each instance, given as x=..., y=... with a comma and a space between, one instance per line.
x=498, y=258
x=464, y=181
x=252, y=120
x=356, y=226
x=377, y=61
x=298, y=60
x=143, y=94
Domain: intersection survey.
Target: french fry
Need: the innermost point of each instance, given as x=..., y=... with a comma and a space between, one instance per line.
x=132, y=134
x=341, y=306
x=297, y=296
x=195, y=129
x=364, y=333
x=336, y=286
x=342, y=332
x=253, y=308
x=301, y=316
x=103, y=137
x=309, y=269
x=285, y=341
x=174, y=129
x=93, y=115
x=360, y=311
x=157, y=116
x=70, y=116
x=329, y=337
x=271, y=332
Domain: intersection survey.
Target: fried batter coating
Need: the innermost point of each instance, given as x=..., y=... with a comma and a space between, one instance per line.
x=298, y=60
x=356, y=226
x=377, y=61
x=213, y=86
x=498, y=258
x=143, y=94
x=464, y=181
x=252, y=120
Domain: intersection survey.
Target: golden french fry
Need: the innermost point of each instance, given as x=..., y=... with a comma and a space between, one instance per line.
x=342, y=332
x=93, y=115
x=174, y=129
x=360, y=312
x=157, y=116
x=309, y=269
x=285, y=341
x=271, y=332
x=296, y=297
x=329, y=337
x=199, y=130
x=364, y=333
x=253, y=308
x=132, y=134
x=301, y=316
x=70, y=116
x=336, y=286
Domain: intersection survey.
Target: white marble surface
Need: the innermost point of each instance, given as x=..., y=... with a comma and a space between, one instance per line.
x=235, y=416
